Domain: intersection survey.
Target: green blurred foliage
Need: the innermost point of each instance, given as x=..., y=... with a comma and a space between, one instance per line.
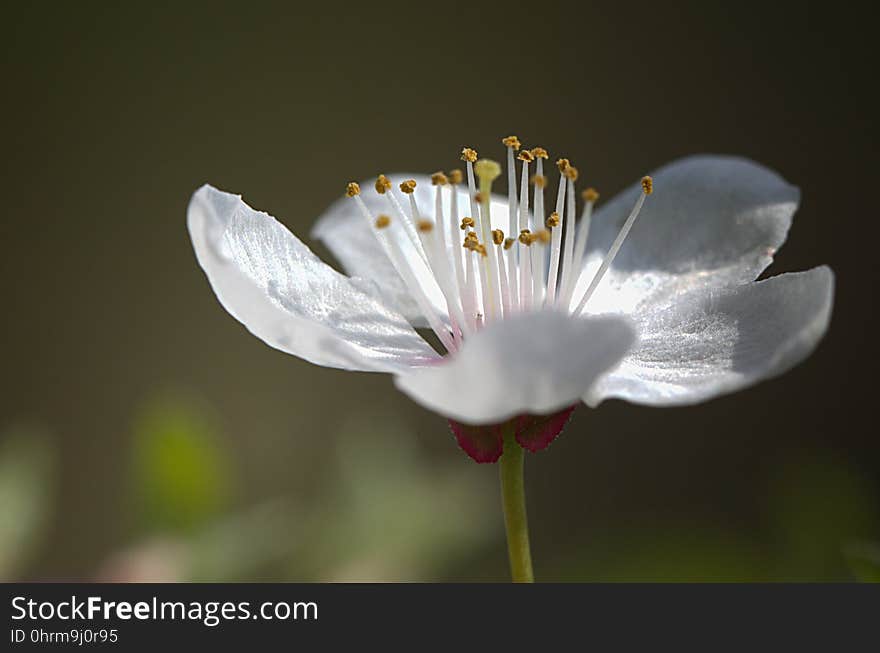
x=383, y=511
x=27, y=469
x=816, y=504
x=864, y=561
x=393, y=513
x=183, y=477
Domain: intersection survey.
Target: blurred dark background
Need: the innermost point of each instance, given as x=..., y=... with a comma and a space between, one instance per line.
x=145, y=435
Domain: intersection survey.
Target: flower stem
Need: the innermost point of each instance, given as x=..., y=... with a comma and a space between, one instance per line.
x=513, y=498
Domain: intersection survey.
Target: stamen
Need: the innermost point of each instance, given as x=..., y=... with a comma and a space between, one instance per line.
x=647, y=189
x=498, y=239
x=467, y=295
x=432, y=241
x=352, y=189
x=383, y=187
x=398, y=259
x=383, y=184
x=556, y=234
x=512, y=143
x=443, y=263
x=466, y=223
x=469, y=156
x=539, y=254
x=488, y=171
x=540, y=153
x=571, y=174
x=525, y=258
x=473, y=315
x=400, y=263
x=577, y=262
x=408, y=187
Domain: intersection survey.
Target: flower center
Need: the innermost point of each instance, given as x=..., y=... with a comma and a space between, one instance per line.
x=482, y=275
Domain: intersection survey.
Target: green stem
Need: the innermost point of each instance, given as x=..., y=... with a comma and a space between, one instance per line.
x=513, y=498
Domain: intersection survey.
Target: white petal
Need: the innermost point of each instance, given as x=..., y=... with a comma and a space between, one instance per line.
x=713, y=343
x=347, y=235
x=712, y=222
x=286, y=296
x=505, y=369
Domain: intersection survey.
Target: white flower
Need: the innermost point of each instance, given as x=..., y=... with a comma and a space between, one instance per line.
x=662, y=310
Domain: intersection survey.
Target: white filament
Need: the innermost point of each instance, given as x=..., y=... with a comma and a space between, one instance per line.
x=609, y=257
x=580, y=247
x=401, y=265
x=525, y=258
x=510, y=270
x=555, y=244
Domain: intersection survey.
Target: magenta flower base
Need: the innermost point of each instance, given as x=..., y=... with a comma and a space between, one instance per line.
x=485, y=443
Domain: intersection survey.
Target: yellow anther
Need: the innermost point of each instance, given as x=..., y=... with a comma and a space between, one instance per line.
x=487, y=170
x=590, y=195
x=480, y=248
x=424, y=225
x=647, y=185
x=571, y=173
x=497, y=236
x=467, y=154
x=525, y=237
x=455, y=176
x=542, y=236
x=439, y=179
x=382, y=221
x=352, y=189
x=525, y=155
x=383, y=184
x=467, y=222
x=539, y=181
x=508, y=242
x=540, y=153
x=408, y=186
x=512, y=141
x=552, y=220
x=562, y=164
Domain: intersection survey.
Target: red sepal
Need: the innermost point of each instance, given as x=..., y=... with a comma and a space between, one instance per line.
x=536, y=432
x=482, y=443
x=485, y=443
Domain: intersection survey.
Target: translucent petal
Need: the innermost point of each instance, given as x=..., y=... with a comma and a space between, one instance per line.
x=716, y=342
x=712, y=222
x=286, y=296
x=506, y=369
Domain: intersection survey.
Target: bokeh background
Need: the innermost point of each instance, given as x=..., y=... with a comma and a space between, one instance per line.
x=145, y=435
